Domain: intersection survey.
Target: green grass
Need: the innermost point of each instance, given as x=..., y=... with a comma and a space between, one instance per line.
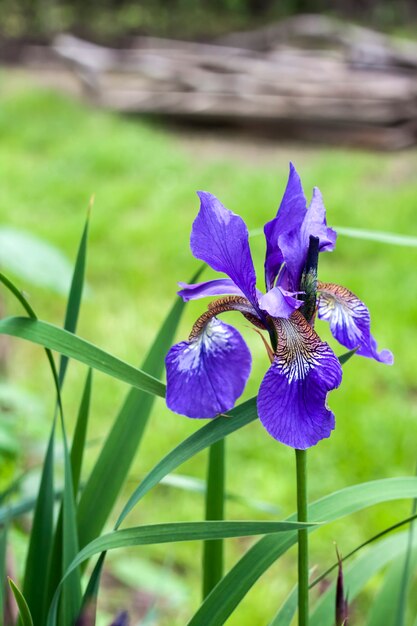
x=55, y=153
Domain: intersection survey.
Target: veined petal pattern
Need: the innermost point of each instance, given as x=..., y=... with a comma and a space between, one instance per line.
x=292, y=398
x=350, y=321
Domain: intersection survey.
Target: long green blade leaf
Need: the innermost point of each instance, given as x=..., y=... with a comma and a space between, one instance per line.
x=71, y=592
x=214, y=431
x=406, y=574
x=391, y=601
x=368, y=235
x=75, y=295
x=380, y=236
x=172, y=533
x=113, y=464
x=206, y=436
x=70, y=345
x=183, y=531
x=24, y=612
x=80, y=433
x=288, y=609
x=225, y=597
x=213, y=550
x=357, y=575
x=89, y=603
x=40, y=545
x=41, y=539
x=65, y=545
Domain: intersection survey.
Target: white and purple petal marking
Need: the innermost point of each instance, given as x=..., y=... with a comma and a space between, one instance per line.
x=208, y=373
x=349, y=320
x=292, y=397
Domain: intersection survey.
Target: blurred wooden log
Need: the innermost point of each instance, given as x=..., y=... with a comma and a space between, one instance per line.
x=263, y=81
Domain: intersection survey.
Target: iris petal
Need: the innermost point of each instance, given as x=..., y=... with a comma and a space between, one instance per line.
x=206, y=375
x=349, y=320
x=292, y=397
x=294, y=244
x=290, y=216
x=220, y=238
x=279, y=303
x=218, y=287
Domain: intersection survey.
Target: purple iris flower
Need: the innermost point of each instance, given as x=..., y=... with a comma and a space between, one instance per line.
x=208, y=373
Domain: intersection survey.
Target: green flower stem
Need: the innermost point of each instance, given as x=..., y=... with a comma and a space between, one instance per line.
x=301, y=464
x=213, y=550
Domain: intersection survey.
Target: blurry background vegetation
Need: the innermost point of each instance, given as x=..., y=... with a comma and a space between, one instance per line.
x=55, y=153
x=103, y=19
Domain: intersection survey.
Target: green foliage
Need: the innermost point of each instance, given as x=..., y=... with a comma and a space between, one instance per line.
x=24, y=612
x=94, y=483
x=178, y=18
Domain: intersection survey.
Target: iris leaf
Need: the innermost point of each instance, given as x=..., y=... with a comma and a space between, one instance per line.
x=172, y=533
x=24, y=612
x=344, y=358
x=358, y=574
x=231, y=590
x=368, y=235
x=288, y=609
x=112, y=466
x=380, y=236
x=74, y=347
x=213, y=550
x=89, y=602
x=207, y=435
x=389, y=607
x=71, y=595
x=75, y=296
x=80, y=433
x=65, y=545
x=40, y=544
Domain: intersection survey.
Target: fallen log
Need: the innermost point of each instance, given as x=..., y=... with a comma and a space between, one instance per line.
x=271, y=82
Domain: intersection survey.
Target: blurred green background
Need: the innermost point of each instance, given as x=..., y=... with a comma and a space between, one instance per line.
x=38, y=19
x=55, y=153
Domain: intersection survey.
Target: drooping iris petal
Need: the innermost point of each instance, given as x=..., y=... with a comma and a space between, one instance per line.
x=207, y=374
x=292, y=397
x=279, y=303
x=220, y=238
x=294, y=244
x=217, y=287
x=349, y=320
x=290, y=216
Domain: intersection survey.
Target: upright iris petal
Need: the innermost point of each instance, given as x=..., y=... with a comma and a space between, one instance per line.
x=294, y=244
x=350, y=321
x=292, y=397
x=290, y=216
x=220, y=238
x=207, y=374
